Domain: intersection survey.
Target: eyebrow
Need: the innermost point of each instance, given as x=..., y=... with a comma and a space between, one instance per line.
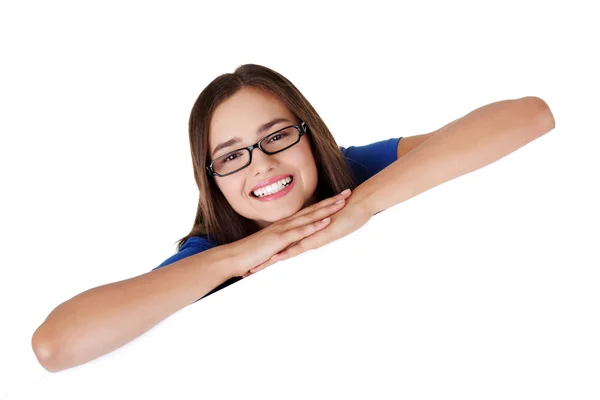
x=261, y=129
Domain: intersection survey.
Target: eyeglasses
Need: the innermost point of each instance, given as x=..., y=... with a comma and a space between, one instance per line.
x=271, y=144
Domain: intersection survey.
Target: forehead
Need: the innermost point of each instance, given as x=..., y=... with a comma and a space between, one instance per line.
x=241, y=114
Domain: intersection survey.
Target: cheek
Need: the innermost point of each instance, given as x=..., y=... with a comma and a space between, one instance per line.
x=307, y=166
x=231, y=189
x=309, y=162
x=305, y=155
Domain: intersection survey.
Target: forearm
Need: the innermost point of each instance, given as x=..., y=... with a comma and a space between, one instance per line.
x=105, y=318
x=469, y=143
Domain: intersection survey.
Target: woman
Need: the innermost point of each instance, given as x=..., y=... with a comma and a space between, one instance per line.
x=271, y=179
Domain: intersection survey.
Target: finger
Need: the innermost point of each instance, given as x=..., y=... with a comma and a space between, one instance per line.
x=327, y=202
x=258, y=268
x=264, y=265
x=300, y=232
x=313, y=217
x=292, y=251
x=254, y=269
x=274, y=259
x=296, y=235
x=324, y=203
x=308, y=243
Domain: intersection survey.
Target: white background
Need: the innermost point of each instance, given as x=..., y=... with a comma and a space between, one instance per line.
x=484, y=287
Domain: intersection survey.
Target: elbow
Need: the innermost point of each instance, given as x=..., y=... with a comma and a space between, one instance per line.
x=45, y=350
x=539, y=112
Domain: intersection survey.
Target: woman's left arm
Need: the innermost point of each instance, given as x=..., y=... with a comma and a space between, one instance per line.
x=479, y=138
x=464, y=145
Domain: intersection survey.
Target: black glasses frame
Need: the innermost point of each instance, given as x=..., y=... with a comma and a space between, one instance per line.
x=302, y=129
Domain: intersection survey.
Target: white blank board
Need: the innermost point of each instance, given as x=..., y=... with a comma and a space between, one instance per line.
x=445, y=293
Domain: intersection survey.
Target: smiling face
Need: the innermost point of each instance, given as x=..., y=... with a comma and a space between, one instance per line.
x=240, y=116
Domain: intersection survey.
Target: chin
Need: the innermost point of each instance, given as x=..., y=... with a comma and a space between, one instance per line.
x=281, y=215
x=276, y=216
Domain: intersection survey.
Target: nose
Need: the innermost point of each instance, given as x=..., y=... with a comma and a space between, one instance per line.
x=261, y=163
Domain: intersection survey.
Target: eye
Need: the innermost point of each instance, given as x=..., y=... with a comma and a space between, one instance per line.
x=227, y=159
x=279, y=134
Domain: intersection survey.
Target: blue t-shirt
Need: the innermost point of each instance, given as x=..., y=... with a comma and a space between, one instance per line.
x=364, y=162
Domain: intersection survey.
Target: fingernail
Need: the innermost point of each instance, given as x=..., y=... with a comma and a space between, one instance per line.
x=324, y=220
x=339, y=201
x=346, y=191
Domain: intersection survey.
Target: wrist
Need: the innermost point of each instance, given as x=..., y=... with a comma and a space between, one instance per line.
x=232, y=260
x=363, y=200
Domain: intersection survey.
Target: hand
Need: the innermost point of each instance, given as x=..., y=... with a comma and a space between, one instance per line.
x=257, y=249
x=343, y=222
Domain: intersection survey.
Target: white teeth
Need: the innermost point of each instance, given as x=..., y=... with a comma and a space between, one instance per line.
x=273, y=188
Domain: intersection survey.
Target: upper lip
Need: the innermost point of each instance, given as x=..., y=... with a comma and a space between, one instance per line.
x=270, y=181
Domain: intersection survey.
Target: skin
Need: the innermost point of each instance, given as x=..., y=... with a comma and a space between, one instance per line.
x=473, y=141
x=240, y=116
x=99, y=320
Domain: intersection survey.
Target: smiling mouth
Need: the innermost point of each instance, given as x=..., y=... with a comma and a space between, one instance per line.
x=265, y=193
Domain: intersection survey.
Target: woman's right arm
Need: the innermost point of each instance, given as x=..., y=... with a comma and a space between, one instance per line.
x=102, y=319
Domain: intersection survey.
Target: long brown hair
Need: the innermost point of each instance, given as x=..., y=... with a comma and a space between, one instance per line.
x=214, y=215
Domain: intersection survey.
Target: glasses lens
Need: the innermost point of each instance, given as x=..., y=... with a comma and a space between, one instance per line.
x=231, y=162
x=281, y=140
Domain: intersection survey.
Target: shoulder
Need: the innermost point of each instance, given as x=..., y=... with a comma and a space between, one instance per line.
x=193, y=245
x=199, y=241
x=377, y=149
x=367, y=160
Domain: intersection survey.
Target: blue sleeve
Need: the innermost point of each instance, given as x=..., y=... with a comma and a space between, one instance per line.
x=194, y=245
x=366, y=161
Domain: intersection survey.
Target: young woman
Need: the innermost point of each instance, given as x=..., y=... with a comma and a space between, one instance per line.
x=273, y=183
